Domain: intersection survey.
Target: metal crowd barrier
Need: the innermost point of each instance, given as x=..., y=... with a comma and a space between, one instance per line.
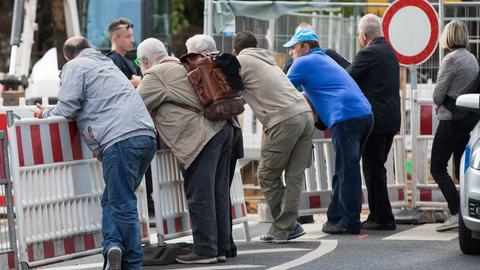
x=58, y=188
x=318, y=178
x=171, y=209
x=8, y=242
x=425, y=192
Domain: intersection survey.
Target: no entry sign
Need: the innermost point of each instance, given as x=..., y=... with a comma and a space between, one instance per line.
x=411, y=27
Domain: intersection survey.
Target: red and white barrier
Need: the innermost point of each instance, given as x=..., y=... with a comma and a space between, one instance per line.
x=424, y=124
x=318, y=178
x=171, y=209
x=58, y=187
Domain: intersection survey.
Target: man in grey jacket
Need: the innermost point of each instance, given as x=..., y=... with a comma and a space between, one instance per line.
x=118, y=129
x=288, y=126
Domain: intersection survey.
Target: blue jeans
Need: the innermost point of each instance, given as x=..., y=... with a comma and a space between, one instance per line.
x=124, y=165
x=207, y=188
x=348, y=138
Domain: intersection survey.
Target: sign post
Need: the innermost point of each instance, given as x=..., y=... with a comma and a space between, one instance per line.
x=411, y=27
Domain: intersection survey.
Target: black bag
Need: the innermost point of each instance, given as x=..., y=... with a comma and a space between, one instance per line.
x=462, y=117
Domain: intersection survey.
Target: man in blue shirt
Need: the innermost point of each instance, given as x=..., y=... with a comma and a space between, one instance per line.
x=342, y=106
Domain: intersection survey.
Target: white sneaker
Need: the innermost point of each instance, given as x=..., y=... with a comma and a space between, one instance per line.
x=449, y=224
x=114, y=259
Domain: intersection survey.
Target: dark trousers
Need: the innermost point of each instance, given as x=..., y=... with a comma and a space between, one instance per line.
x=348, y=139
x=208, y=194
x=373, y=163
x=449, y=139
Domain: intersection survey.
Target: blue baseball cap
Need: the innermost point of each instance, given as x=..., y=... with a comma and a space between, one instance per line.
x=304, y=34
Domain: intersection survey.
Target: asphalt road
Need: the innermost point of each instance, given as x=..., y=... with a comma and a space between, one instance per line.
x=409, y=247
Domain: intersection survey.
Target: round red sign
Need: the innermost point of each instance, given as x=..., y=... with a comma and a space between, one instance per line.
x=411, y=28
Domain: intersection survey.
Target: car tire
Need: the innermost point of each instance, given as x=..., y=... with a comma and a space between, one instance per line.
x=468, y=244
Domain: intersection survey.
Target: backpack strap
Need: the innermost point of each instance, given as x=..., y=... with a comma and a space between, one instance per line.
x=186, y=107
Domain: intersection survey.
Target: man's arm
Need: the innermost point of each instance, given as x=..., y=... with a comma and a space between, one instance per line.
x=70, y=96
x=152, y=90
x=344, y=63
x=360, y=65
x=295, y=75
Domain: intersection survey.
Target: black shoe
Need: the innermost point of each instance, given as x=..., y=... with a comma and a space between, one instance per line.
x=390, y=226
x=338, y=229
x=305, y=219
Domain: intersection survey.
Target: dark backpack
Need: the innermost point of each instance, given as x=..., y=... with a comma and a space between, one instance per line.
x=213, y=87
x=462, y=117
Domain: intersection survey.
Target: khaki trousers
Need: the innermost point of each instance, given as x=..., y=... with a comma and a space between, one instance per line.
x=287, y=148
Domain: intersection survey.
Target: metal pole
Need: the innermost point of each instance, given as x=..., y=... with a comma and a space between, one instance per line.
x=9, y=197
x=15, y=35
x=413, y=127
x=441, y=22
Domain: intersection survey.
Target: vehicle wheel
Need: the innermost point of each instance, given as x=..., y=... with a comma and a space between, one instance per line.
x=468, y=245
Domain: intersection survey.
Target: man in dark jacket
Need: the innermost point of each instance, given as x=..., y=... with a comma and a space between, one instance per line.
x=376, y=71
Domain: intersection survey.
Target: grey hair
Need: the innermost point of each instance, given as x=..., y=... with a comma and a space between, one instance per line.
x=370, y=25
x=201, y=44
x=152, y=48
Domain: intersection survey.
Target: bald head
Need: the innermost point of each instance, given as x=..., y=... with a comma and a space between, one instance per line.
x=73, y=46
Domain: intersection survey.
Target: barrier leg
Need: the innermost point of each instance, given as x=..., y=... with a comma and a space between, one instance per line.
x=246, y=230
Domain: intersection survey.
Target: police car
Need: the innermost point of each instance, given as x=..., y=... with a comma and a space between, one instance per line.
x=469, y=221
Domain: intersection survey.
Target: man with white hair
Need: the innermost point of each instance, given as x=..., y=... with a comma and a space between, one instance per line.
x=202, y=147
x=376, y=71
x=201, y=44
x=206, y=44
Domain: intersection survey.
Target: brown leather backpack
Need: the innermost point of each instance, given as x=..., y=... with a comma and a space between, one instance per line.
x=216, y=95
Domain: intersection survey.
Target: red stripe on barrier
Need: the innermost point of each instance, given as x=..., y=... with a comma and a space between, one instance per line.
x=21, y=159
x=425, y=195
x=11, y=260
x=30, y=253
x=48, y=249
x=178, y=224
x=426, y=119
x=3, y=200
x=234, y=212
x=145, y=229
x=165, y=226
x=36, y=144
x=244, y=211
x=89, y=241
x=401, y=194
x=3, y=175
x=56, y=142
x=314, y=202
x=75, y=141
x=69, y=245
x=363, y=198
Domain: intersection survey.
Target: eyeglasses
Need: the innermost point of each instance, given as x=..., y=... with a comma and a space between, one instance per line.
x=127, y=26
x=137, y=61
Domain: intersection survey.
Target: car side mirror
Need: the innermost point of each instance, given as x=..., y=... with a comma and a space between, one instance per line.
x=469, y=101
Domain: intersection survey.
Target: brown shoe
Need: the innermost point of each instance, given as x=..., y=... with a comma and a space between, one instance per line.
x=193, y=258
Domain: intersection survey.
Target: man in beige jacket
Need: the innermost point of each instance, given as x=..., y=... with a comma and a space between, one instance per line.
x=201, y=146
x=288, y=126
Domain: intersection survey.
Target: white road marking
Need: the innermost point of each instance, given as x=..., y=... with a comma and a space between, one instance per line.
x=325, y=247
x=76, y=267
x=219, y=267
x=424, y=232
x=212, y=267
x=270, y=250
